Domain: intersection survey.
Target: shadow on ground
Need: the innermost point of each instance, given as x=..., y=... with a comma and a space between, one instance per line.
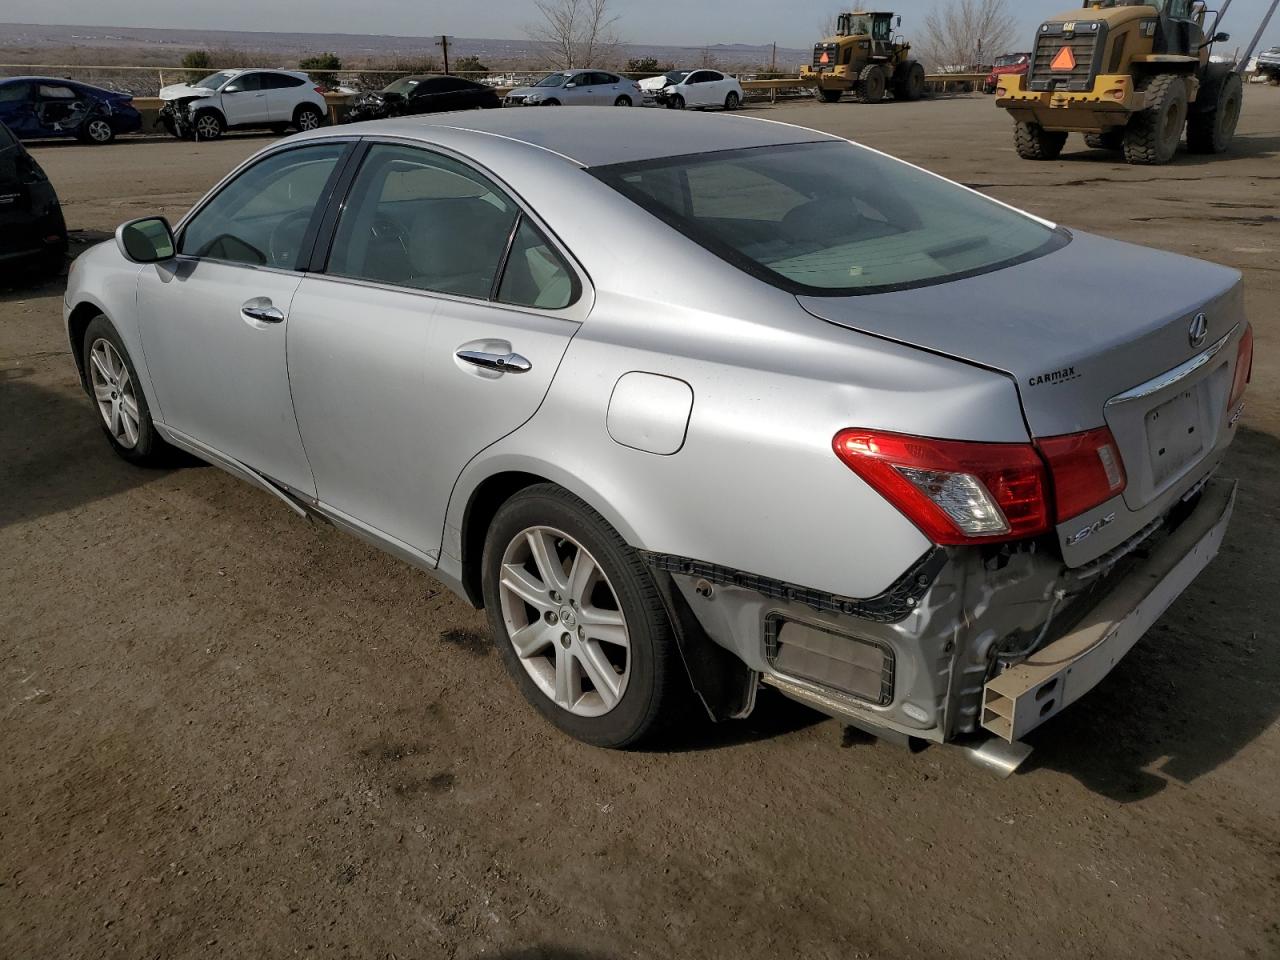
x=1204, y=683
x=53, y=456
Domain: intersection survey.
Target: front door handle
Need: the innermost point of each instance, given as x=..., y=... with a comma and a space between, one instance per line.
x=260, y=308
x=501, y=362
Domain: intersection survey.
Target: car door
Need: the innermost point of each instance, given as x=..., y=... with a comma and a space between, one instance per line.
x=282, y=95
x=244, y=102
x=214, y=320
x=17, y=109
x=403, y=359
x=694, y=89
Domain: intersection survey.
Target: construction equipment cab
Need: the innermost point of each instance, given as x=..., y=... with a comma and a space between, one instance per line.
x=1130, y=76
x=867, y=58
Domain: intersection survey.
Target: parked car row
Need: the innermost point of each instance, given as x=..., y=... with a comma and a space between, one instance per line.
x=676, y=89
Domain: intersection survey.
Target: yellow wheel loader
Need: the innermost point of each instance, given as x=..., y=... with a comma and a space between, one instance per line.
x=865, y=58
x=1131, y=75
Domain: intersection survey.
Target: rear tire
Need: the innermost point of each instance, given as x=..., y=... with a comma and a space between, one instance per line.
x=909, y=83
x=118, y=400
x=1034, y=142
x=1153, y=134
x=1111, y=140
x=97, y=131
x=732, y=101
x=556, y=626
x=307, y=117
x=828, y=96
x=871, y=84
x=1212, y=130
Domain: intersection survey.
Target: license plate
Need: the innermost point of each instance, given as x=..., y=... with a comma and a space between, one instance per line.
x=1175, y=435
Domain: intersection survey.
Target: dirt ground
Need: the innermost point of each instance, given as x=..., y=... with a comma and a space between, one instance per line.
x=225, y=732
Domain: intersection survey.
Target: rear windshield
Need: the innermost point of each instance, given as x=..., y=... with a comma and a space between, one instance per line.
x=832, y=218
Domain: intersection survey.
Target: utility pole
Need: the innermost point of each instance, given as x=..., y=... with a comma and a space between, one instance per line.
x=773, y=63
x=443, y=44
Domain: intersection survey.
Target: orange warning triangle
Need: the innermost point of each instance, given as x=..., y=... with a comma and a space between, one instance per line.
x=1065, y=60
x=825, y=58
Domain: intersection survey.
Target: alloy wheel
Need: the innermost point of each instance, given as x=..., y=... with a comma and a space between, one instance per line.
x=208, y=128
x=564, y=621
x=308, y=120
x=114, y=392
x=99, y=131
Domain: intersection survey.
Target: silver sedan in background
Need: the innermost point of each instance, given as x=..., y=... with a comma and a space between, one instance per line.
x=925, y=462
x=578, y=88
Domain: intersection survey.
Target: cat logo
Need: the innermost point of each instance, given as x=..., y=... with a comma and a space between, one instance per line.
x=1065, y=60
x=1069, y=27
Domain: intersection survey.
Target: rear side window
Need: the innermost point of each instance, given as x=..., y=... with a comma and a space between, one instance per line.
x=422, y=220
x=14, y=92
x=6, y=138
x=261, y=217
x=535, y=275
x=832, y=218
x=49, y=91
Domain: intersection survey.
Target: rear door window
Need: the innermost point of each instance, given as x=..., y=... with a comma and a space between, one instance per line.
x=425, y=221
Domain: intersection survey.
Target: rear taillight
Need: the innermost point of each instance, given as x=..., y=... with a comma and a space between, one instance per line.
x=319, y=90
x=962, y=492
x=956, y=492
x=1244, y=369
x=1086, y=470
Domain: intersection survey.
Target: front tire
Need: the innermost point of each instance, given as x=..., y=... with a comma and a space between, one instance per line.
x=208, y=125
x=1034, y=142
x=579, y=622
x=1154, y=133
x=828, y=96
x=623, y=101
x=871, y=85
x=676, y=102
x=1111, y=140
x=1212, y=130
x=114, y=388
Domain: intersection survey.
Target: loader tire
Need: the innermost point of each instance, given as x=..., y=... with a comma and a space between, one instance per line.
x=1034, y=142
x=1111, y=140
x=827, y=96
x=1154, y=133
x=908, y=83
x=1211, y=130
x=871, y=84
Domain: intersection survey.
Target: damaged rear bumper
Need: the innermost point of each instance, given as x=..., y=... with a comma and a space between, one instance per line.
x=961, y=644
x=1025, y=696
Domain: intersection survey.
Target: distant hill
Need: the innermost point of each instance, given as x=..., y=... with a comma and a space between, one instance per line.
x=153, y=45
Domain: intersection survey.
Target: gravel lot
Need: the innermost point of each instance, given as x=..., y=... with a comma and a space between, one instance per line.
x=226, y=732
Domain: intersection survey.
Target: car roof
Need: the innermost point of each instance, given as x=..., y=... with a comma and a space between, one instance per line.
x=599, y=136
x=63, y=80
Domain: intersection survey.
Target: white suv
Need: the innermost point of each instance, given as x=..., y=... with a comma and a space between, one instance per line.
x=240, y=99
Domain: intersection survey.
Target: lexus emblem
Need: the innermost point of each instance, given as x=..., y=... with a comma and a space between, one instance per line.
x=1198, y=330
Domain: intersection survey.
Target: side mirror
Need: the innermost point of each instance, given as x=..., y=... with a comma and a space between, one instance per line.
x=899, y=23
x=570, y=86
x=231, y=88
x=1220, y=38
x=148, y=240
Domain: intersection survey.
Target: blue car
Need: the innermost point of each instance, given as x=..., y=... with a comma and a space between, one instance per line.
x=35, y=108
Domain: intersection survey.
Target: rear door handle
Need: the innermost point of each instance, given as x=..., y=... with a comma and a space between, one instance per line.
x=260, y=309
x=503, y=363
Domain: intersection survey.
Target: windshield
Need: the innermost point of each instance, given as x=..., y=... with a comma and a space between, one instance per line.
x=1008, y=60
x=555, y=80
x=832, y=218
x=214, y=80
x=403, y=86
x=858, y=27
x=675, y=76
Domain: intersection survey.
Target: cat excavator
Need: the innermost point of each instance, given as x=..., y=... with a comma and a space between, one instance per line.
x=1132, y=76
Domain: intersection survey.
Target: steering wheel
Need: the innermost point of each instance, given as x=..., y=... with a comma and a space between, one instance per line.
x=285, y=243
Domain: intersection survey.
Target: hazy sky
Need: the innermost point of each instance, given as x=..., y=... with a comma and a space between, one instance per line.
x=677, y=22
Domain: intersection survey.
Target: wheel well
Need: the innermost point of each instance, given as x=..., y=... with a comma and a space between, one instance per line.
x=306, y=106
x=485, y=502
x=78, y=323
x=214, y=110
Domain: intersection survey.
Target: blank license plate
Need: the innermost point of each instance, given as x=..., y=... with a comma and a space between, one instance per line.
x=1175, y=435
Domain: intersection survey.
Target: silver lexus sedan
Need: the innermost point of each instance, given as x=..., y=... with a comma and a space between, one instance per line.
x=920, y=460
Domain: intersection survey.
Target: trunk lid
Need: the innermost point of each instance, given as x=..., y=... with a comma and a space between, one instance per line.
x=1093, y=335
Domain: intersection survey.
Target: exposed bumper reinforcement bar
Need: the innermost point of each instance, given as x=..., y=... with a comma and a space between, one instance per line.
x=1025, y=696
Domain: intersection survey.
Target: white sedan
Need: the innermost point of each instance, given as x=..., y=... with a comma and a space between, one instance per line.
x=703, y=88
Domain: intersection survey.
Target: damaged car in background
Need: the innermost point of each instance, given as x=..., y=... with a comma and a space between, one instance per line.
x=242, y=100
x=33, y=233
x=425, y=94
x=920, y=460
x=40, y=108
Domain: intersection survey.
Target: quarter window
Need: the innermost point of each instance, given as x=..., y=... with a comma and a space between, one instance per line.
x=261, y=217
x=421, y=220
x=535, y=275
